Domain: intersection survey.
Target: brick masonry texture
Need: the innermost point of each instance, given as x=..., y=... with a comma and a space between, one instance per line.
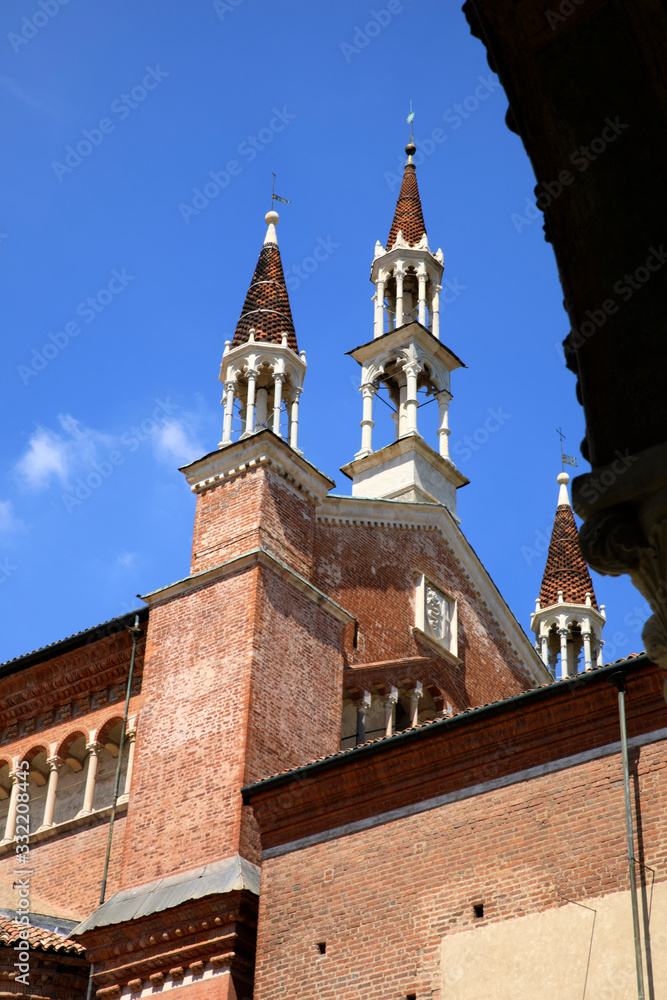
x=372, y=571
x=566, y=568
x=222, y=708
x=408, y=217
x=384, y=898
x=255, y=509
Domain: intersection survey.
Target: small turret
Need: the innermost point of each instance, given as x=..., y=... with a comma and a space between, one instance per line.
x=566, y=619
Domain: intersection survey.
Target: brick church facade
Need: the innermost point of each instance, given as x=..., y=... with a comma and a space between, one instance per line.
x=336, y=706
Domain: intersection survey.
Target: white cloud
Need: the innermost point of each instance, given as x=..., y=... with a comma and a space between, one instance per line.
x=8, y=520
x=126, y=560
x=51, y=455
x=174, y=442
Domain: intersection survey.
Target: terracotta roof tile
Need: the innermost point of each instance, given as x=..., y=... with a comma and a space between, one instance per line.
x=266, y=306
x=39, y=939
x=566, y=568
x=408, y=216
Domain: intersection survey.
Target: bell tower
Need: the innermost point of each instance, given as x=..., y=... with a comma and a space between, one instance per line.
x=567, y=620
x=406, y=361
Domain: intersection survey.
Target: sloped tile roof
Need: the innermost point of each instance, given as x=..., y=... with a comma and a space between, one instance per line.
x=266, y=306
x=408, y=217
x=566, y=568
x=39, y=939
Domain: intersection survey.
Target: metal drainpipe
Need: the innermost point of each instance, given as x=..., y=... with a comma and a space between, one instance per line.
x=136, y=634
x=618, y=680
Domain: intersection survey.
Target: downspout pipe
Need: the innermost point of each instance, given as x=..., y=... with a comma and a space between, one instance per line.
x=135, y=634
x=619, y=682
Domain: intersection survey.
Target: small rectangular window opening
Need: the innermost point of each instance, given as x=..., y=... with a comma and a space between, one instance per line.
x=355, y=637
x=478, y=910
x=322, y=946
x=411, y=996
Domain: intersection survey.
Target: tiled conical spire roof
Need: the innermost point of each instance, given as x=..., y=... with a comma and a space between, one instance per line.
x=408, y=217
x=266, y=307
x=566, y=568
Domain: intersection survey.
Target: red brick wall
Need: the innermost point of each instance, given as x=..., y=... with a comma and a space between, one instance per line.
x=242, y=678
x=254, y=509
x=383, y=899
x=68, y=868
x=371, y=572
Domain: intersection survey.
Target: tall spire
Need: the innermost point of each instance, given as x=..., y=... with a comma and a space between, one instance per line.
x=567, y=619
x=262, y=370
x=266, y=309
x=566, y=571
x=408, y=217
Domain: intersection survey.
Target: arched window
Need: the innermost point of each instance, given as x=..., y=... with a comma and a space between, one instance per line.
x=38, y=784
x=72, y=778
x=5, y=792
x=109, y=738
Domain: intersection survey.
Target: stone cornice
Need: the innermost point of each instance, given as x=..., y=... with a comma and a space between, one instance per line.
x=404, y=446
x=403, y=514
x=241, y=563
x=395, y=338
x=73, y=677
x=262, y=450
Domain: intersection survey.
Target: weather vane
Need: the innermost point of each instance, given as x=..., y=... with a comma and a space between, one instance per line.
x=276, y=197
x=410, y=119
x=564, y=459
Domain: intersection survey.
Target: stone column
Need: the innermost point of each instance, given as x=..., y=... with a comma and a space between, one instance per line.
x=399, y=274
x=588, y=661
x=229, y=413
x=378, y=324
x=55, y=763
x=444, y=398
x=367, y=424
x=435, y=311
x=130, y=736
x=389, y=702
x=278, y=380
x=415, y=695
x=91, y=774
x=411, y=371
x=10, y=822
x=564, y=667
x=250, y=404
x=261, y=409
x=421, y=277
x=544, y=648
x=363, y=705
x=294, y=420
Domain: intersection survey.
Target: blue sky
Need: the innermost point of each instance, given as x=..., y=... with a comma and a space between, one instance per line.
x=120, y=284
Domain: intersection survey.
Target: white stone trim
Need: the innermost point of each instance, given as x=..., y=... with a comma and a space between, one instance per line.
x=80, y=820
x=245, y=561
x=422, y=627
x=540, y=770
x=263, y=449
x=406, y=515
